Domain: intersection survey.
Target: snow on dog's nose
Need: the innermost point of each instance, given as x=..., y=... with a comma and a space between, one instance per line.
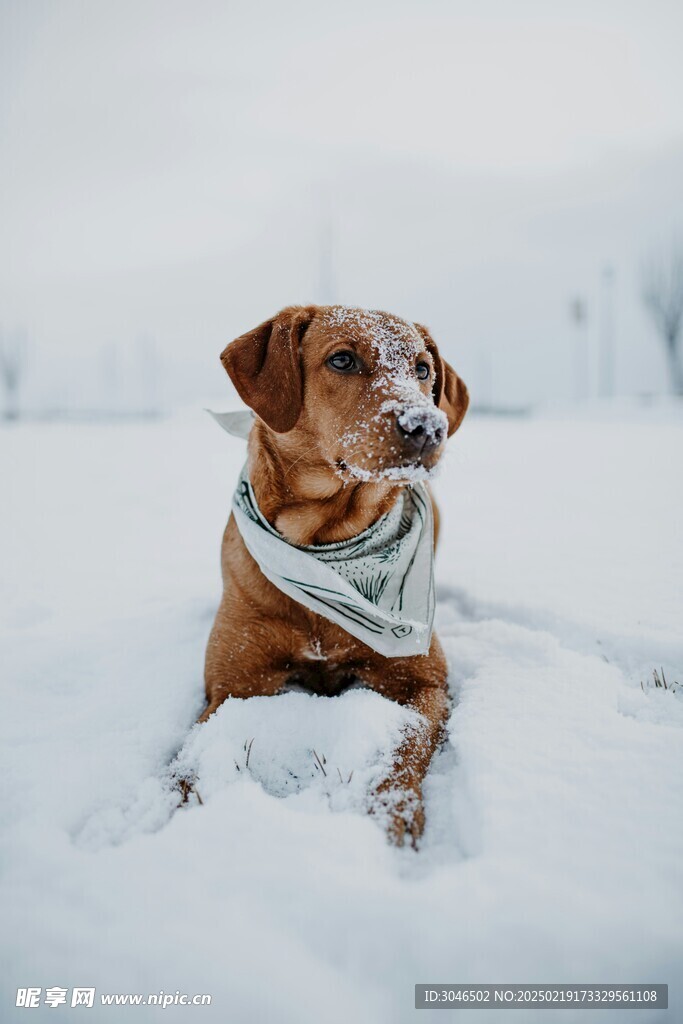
x=422, y=427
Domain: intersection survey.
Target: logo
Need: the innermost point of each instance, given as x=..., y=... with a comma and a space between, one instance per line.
x=29, y=998
x=401, y=631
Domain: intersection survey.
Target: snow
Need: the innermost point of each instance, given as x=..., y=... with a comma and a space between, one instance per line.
x=409, y=474
x=554, y=842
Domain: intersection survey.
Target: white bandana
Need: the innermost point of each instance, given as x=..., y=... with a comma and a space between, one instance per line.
x=378, y=586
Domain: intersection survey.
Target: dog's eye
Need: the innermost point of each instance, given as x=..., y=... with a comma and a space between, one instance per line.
x=342, y=361
x=423, y=370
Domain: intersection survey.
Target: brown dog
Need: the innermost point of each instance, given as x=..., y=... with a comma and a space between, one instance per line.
x=329, y=452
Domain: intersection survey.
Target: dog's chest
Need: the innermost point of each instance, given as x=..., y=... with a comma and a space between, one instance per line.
x=325, y=664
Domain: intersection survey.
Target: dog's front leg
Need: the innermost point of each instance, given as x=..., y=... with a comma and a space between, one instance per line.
x=253, y=681
x=240, y=662
x=232, y=670
x=399, y=795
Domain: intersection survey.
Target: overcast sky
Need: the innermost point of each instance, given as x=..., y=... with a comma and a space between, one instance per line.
x=175, y=170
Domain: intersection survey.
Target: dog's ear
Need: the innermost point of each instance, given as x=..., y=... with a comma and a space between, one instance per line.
x=265, y=367
x=450, y=393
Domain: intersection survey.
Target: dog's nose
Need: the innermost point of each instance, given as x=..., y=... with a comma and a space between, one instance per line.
x=420, y=429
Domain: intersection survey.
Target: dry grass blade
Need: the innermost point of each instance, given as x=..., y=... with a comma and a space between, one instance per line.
x=321, y=764
x=660, y=682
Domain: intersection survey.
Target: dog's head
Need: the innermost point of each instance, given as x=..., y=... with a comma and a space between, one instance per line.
x=367, y=391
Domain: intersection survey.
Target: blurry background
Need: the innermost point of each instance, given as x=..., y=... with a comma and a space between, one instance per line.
x=173, y=172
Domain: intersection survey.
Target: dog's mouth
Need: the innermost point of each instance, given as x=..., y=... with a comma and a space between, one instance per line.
x=406, y=471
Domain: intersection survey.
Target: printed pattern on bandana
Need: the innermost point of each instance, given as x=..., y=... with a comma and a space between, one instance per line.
x=378, y=586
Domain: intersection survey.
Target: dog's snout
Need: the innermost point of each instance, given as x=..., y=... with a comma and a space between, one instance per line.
x=420, y=429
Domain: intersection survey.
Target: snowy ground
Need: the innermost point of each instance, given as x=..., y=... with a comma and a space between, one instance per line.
x=554, y=847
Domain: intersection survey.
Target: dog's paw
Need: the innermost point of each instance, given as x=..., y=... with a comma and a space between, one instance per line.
x=406, y=826
x=401, y=811
x=187, y=792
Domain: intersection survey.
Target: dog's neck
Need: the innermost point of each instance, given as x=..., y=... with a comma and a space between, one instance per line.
x=304, y=497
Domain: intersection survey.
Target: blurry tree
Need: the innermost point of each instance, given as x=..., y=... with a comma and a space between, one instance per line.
x=607, y=351
x=578, y=314
x=13, y=353
x=663, y=297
